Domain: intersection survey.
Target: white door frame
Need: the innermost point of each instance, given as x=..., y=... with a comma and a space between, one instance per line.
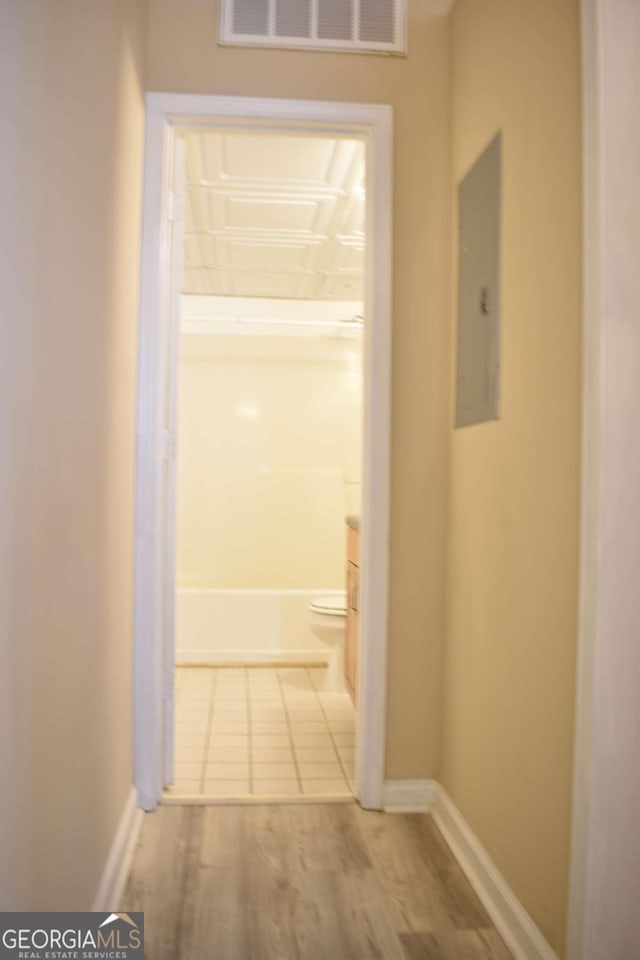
x=605, y=867
x=165, y=112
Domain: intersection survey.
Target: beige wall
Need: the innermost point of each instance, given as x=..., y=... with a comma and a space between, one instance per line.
x=513, y=548
x=70, y=175
x=184, y=57
x=269, y=432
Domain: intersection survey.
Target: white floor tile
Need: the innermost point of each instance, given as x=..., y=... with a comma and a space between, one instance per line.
x=339, y=716
x=226, y=754
x=260, y=740
x=274, y=771
x=316, y=755
x=228, y=740
x=224, y=727
x=189, y=754
x=260, y=717
x=344, y=739
x=198, y=678
x=188, y=770
x=226, y=771
x=311, y=739
x=341, y=701
x=197, y=695
x=235, y=714
x=305, y=716
x=342, y=726
x=320, y=771
x=187, y=714
x=191, y=739
x=197, y=691
x=191, y=726
x=317, y=675
x=264, y=727
x=272, y=754
x=302, y=727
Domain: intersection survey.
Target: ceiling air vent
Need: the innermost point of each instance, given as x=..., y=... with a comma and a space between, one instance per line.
x=357, y=26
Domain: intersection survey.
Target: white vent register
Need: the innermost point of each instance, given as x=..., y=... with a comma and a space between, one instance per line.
x=357, y=26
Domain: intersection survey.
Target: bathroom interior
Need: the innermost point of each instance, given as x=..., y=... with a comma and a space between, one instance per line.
x=269, y=466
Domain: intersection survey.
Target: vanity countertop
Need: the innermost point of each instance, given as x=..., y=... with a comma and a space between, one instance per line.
x=353, y=521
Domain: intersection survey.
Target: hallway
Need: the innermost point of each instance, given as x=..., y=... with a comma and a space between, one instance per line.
x=303, y=882
x=503, y=554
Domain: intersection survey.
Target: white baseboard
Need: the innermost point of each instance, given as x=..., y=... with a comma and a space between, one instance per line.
x=512, y=921
x=205, y=658
x=408, y=796
x=116, y=869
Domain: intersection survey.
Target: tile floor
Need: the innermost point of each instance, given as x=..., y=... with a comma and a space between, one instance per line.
x=249, y=732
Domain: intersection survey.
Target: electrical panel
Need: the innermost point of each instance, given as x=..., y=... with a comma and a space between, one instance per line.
x=479, y=233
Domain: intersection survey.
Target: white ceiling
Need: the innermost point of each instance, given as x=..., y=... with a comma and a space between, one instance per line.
x=274, y=215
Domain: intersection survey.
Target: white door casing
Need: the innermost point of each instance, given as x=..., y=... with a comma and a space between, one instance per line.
x=604, y=920
x=167, y=114
x=172, y=327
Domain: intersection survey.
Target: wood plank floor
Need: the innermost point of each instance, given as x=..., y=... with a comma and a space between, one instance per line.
x=303, y=882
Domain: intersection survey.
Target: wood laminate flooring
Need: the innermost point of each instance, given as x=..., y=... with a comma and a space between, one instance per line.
x=303, y=882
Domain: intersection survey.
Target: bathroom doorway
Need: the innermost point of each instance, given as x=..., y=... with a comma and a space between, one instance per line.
x=269, y=463
x=271, y=380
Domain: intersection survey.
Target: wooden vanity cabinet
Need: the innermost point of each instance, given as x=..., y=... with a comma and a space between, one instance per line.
x=353, y=604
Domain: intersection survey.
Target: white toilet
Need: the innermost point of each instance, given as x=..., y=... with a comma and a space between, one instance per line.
x=329, y=623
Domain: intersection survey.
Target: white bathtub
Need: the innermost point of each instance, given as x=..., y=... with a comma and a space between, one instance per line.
x=246, y=626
